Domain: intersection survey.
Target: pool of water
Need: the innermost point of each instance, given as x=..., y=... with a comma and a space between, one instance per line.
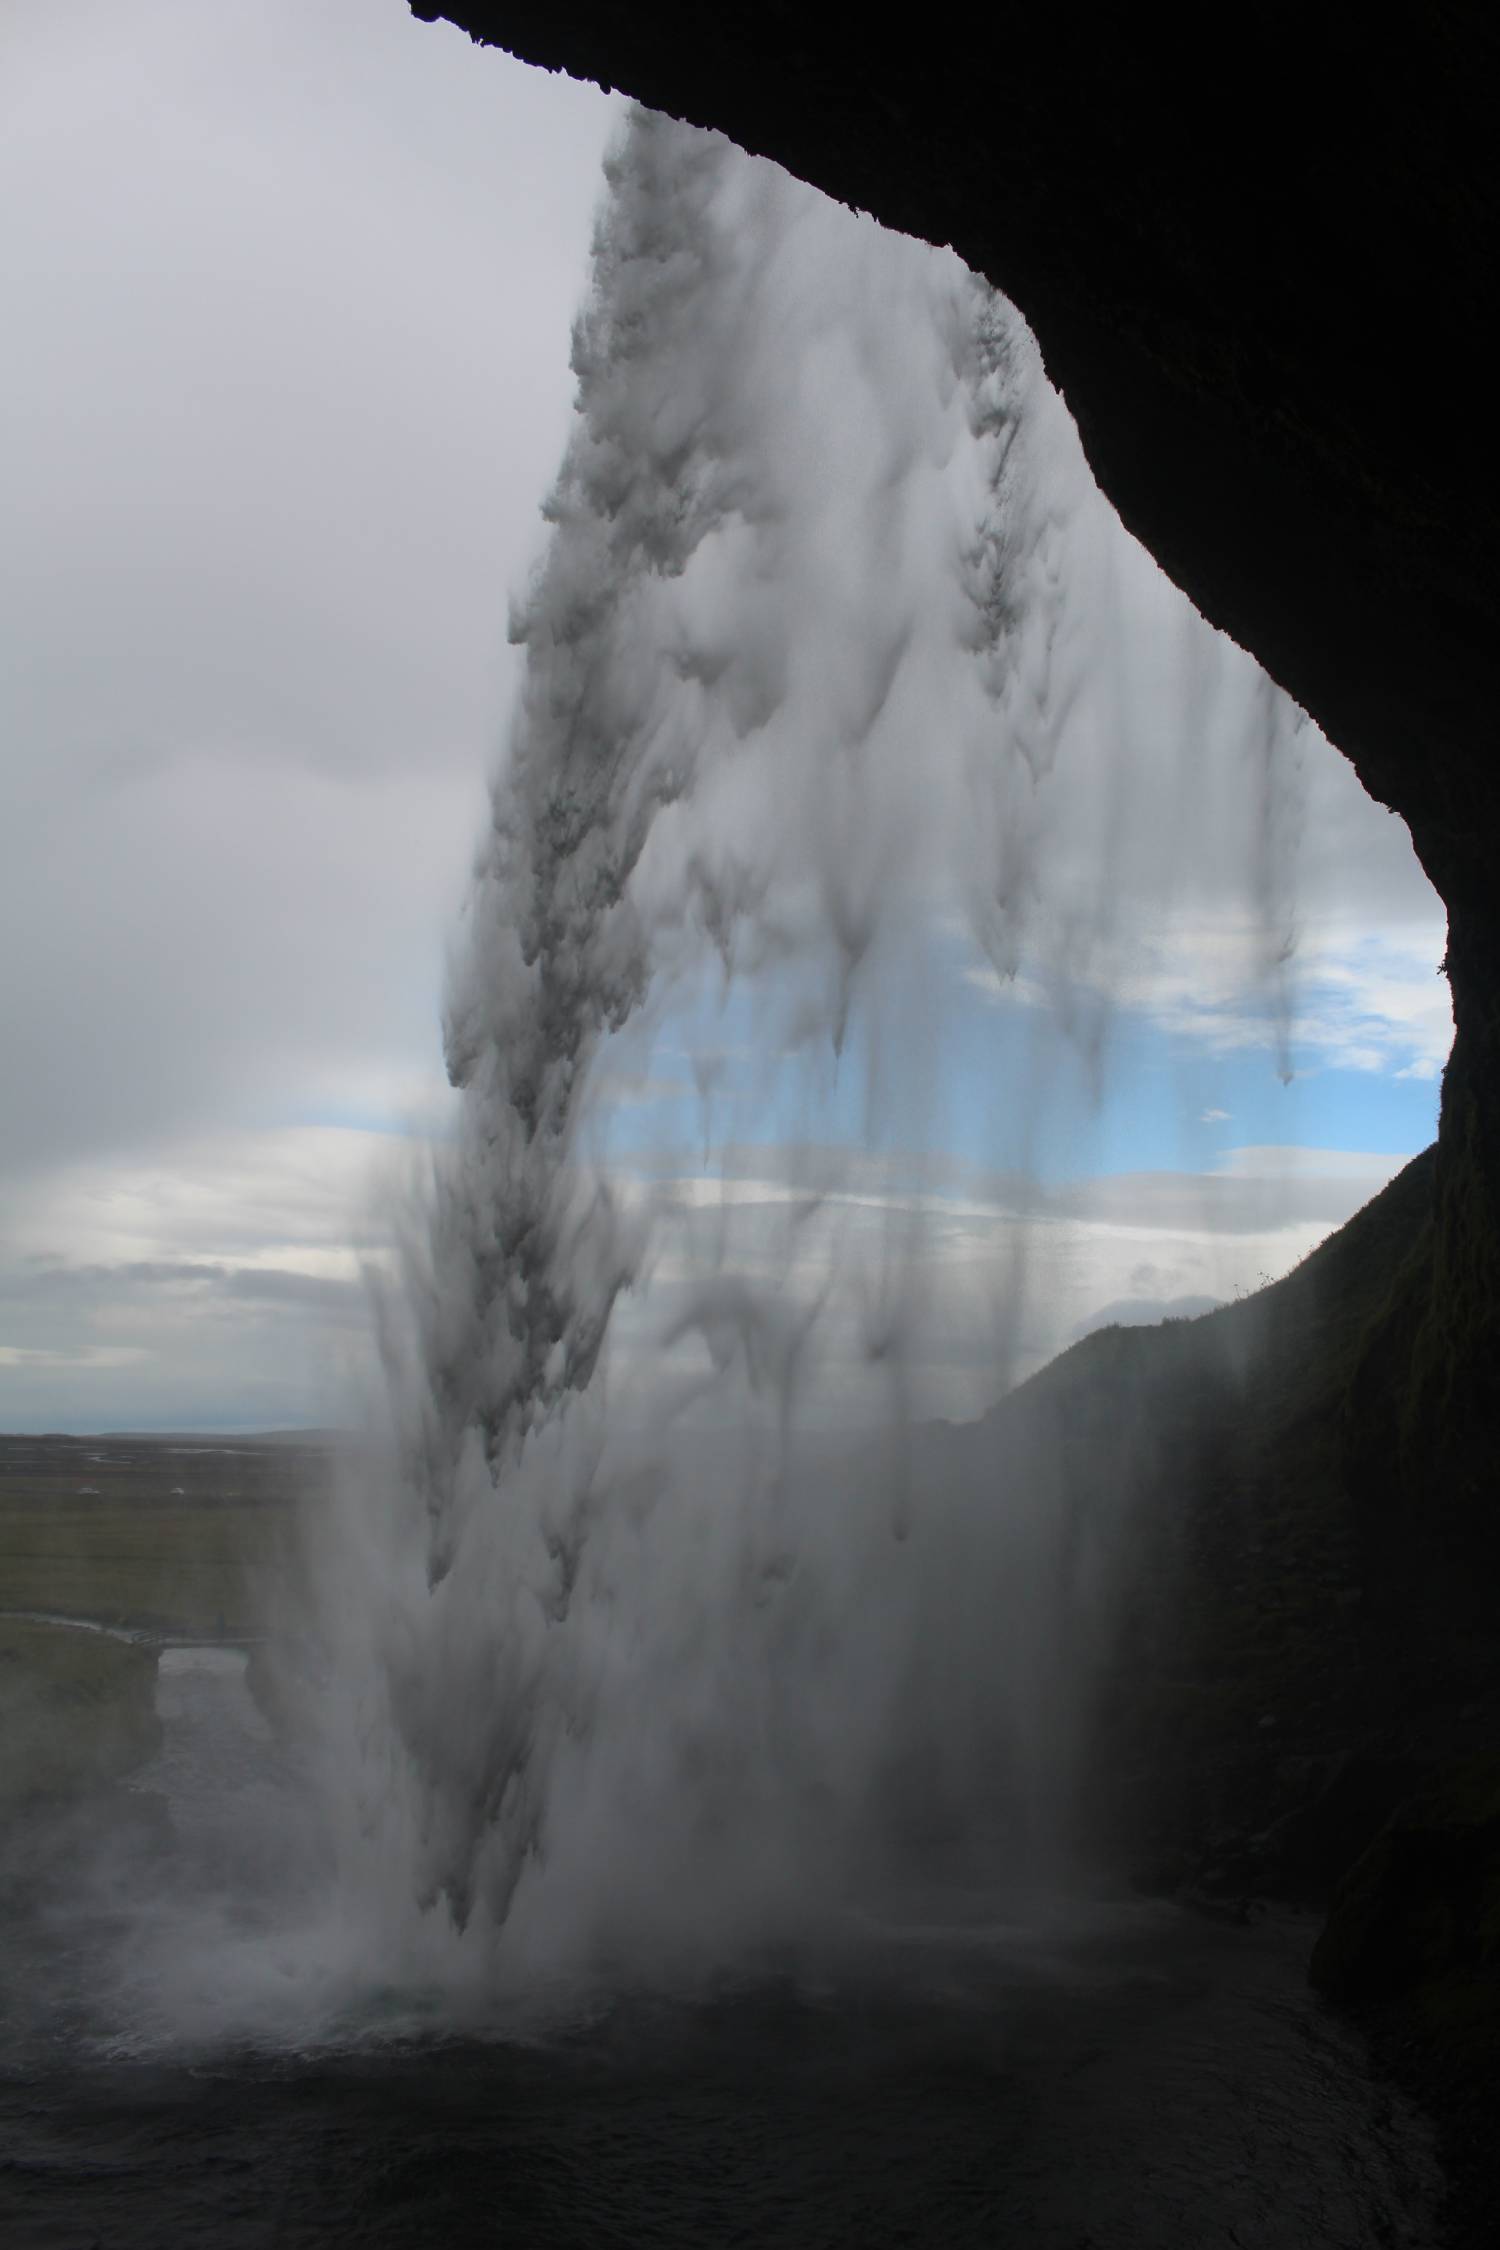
x=962, y=2069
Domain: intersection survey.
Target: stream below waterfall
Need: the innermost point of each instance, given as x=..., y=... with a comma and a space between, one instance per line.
x=967, y=2068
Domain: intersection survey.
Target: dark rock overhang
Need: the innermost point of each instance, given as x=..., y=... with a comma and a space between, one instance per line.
x=1258, y=252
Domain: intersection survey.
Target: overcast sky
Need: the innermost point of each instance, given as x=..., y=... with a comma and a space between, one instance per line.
x=288, y=287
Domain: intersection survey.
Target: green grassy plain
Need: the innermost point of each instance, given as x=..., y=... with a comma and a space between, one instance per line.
x=160, y=1535
x=164, y=1538
x=77, y=1709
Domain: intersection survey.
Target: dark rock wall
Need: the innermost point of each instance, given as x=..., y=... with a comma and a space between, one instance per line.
x=1260, y=252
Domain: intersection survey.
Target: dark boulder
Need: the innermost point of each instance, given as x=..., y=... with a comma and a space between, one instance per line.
x=1417, y=1917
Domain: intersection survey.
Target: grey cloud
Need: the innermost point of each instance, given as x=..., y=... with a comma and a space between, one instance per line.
x=159, y=1343
x=1246, y=1202
x=269, y=1285
x=57, y=1279
x=1213, y=1203
x=284, y=379
x=311, y=1292
x=827, y=1167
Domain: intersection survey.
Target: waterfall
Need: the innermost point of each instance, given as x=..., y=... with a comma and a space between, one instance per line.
x=672, y=1619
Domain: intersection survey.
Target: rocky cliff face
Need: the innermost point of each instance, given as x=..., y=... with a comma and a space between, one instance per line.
x=1261, y=260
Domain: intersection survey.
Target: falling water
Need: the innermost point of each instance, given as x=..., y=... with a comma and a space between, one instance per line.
x=674, y=1626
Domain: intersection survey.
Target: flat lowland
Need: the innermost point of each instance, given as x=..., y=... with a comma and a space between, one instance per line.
x=76, y=1710
x=174, y=1537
